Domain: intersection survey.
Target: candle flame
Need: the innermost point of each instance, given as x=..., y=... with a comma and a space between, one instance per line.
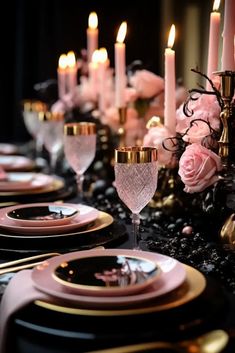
x=71, y=61
x=216, y=5
x=95, y=56
x=93, y=20
x=171, y=38
x=103, y=55
x=63, y=61
x=122, y=32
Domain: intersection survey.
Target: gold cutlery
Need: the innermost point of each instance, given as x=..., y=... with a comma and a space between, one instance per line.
x=29, y=262
x=211, y=342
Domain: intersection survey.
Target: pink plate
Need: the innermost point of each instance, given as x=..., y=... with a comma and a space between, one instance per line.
x=85, y=216
x=172, y=276
x=16, y=163
x=8, y=148
x=43, y=216
x=25, y=181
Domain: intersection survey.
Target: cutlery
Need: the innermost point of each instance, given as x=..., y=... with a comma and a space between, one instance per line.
x=29, y=262
x=211, y=342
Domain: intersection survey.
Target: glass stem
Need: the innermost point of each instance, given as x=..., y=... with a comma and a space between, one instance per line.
x=53, y=162
x=80, y=179
x=136, y=230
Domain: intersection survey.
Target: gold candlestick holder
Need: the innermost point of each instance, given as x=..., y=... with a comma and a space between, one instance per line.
x=227, y=138
x=121, y=131
x=227, y=154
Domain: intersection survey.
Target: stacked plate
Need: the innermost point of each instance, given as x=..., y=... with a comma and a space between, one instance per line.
x=8, y=148
x=95, y=299
x=116, y=282
x=16, y=163
x=25, y=181
x=29, y=220
x=37, y=227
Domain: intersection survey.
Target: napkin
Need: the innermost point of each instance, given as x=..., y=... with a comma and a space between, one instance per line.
x=3, y=174
x=15, y=297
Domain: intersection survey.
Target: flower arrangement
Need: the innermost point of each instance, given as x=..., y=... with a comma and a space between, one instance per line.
x=198, y=128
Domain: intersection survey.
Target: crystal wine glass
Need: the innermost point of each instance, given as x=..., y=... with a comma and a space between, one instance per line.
x=80, y=148
x=136, y=175
x=31, y=110
x=52, y=125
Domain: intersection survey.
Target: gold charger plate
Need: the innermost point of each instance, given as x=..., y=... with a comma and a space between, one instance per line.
x=103, y=220
x=56, y=185
x=193, y=286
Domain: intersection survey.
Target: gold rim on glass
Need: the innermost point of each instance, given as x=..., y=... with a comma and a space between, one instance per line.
x=49, y=116
x=135, y=154
x=82, y=128
x=32, y=105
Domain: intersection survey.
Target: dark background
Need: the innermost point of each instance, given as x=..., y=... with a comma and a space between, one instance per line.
x=38, y=32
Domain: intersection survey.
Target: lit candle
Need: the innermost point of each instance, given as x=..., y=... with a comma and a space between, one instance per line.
x=71, y=71
x=103, y=57
x=228, y=37
x=120, y=67
x=214, y=35
x=170, y=100
x=92, y=35
x=62, y=75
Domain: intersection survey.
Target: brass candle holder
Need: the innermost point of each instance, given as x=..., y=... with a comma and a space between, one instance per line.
x=227, y=138
x=227, y=152
x=121, y=131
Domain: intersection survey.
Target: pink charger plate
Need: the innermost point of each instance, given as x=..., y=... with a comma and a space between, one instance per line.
x=25, y=181
x=86, y=215
x=11, y=162
x=173, y=275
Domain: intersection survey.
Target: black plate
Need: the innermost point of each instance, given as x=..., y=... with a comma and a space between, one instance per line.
x=13, y=247
x=50, y=214
x=107, y=274
x=64, y=333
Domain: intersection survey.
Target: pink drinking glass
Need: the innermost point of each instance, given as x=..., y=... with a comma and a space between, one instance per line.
x=136, y=175
x=80, y=148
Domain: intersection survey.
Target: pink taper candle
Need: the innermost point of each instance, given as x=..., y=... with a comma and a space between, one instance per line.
x=62, y=75
x=228, y=36
x=92, y=35
x=71, y=71
x=214, y=36
x=103, y=57
x=120, y=67
x=170, y=100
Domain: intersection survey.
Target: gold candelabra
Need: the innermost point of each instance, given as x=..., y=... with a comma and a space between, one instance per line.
x=121, y=131
x=227, y=138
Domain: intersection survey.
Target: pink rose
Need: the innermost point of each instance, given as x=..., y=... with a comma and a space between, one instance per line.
x=198, y=167
x=197, y=132
x=205, y=108
x=154, y=138
x=146, y=83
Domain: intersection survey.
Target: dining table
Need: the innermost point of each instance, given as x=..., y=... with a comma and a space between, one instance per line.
x=203, y=303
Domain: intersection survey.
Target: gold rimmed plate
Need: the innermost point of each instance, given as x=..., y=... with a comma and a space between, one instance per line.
x=190, y=289
x=172, y=276
x=87, y=216
x=16, y=163
x=55, y=184
x=8, y=148
x=44, y=215
x=107, y=275
x=25, y=181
